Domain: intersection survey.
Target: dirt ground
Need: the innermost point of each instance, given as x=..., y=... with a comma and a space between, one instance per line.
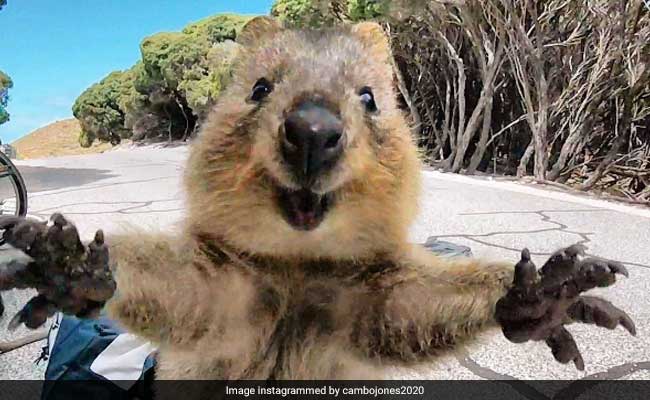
x=60, y=138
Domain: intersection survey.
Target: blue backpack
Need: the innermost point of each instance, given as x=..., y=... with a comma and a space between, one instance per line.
x=95, y=359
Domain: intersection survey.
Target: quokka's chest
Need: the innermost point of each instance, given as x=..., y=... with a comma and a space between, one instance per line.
x=305, y=309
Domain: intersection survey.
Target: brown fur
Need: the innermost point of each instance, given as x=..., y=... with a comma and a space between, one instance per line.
x=240, y=294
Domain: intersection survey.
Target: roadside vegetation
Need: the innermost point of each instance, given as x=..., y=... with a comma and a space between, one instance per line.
x=168, y=92
x=558, y=90
x=5, y=84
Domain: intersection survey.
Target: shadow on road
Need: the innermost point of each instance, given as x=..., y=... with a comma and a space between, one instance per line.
x=38, y=179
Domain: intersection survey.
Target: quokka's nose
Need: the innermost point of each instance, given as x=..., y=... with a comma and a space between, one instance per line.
x=312, y=141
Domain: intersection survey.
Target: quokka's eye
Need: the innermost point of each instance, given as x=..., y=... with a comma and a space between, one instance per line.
x=261, y=89
x=368, y=99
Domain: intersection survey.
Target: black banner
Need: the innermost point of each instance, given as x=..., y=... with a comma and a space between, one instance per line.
x=393, y=390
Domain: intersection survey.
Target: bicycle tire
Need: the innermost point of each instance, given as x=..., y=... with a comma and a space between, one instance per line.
x=18, y=183
x=21, y=197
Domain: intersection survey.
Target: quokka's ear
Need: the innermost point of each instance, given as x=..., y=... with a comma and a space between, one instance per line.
x=258, y=29
x=374, y=37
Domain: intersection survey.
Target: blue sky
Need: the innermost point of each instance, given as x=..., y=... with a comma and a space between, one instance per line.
x=53, y=50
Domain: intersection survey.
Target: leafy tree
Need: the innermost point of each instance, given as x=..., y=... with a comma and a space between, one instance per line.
x=217, y=28
x=169, y=91
x=183, y=72
x=5, y=84
x=294, y=12
x=202, y=89
x=308, y=13
x=99, y=110
x=359, y=10
x=317, y=13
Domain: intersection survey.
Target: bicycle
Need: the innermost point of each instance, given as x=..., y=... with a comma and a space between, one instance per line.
x=13, y=192
x=13, y=195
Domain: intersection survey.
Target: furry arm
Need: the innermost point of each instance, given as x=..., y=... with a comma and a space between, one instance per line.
x=160, y=284
x=430, y=304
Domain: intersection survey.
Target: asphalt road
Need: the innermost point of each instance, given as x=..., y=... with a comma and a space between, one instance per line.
x=142, y=186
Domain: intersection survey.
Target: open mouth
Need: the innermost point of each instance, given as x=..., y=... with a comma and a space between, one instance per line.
x=303, y=209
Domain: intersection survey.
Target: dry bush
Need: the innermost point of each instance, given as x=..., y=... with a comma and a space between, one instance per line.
x=558, y=89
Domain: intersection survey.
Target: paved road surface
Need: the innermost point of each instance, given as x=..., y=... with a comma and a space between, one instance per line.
x=142, y=186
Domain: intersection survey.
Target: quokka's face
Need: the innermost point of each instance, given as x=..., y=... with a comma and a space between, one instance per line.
x=315, y=103
x=314, y=115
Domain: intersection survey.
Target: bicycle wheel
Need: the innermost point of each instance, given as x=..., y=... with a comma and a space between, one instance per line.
x=13, y=193
x=13, y=196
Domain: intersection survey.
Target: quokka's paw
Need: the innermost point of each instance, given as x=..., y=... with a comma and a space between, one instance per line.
x=540, y=303
x=68, y=275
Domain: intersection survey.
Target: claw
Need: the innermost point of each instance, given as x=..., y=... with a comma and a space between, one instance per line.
x=525, y=271
x=575, y=250
x=58, y=219
x=21, y=232
x=7, y=221
x=98, y=252
x=70, y=238
x=562, y=264
x=579, y=362
x=597, y=272
x=539, y=309
x=628, y=324
x=23, y=235
x=99, y=237
x=15, y=321
x=64, y=234
x=618, y=268
x=33, y=314
x=68, y=276
x=594, y=310
x=564, y=348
